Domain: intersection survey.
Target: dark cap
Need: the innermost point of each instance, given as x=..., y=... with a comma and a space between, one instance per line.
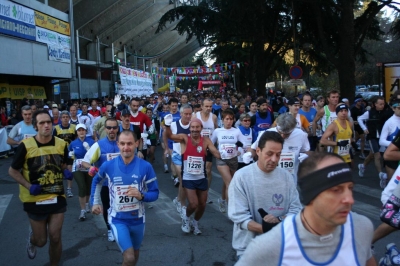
x=125, y=112
x=293, y=101
x=261, y=101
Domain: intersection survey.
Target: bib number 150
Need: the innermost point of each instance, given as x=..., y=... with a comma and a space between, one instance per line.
x=286, y=164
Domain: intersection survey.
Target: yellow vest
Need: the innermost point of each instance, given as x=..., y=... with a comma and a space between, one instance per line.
x=68, y=135
x=42, y=166
x=343, y=134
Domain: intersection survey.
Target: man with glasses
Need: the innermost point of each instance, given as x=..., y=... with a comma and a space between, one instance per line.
x=23, y=129
x=38, y=166
x=100, y=152
x=295, y=142
x=66, y=131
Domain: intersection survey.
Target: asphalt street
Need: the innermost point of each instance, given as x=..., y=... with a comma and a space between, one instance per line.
x=85, y=243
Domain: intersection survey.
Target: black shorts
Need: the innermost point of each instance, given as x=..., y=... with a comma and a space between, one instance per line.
x=153, y=142
x=42, y=212
x=391, y=164
x=374, y=145
x=358, y=129
x=209, y=156
x=201, y=184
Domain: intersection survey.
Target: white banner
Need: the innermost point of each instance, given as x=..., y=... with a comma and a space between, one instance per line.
x=14, y=11
x=134, y=83
x=52, y=38
x=59, y=54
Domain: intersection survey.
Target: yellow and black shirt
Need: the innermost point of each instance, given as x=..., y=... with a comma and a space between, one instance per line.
x=68, y=134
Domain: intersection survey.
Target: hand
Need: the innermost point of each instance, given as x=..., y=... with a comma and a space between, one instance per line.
x=71, y=154
x=247, y=157
x=239, y=144
x=117, y=100
x=86, y=145
x=224, y=154
x=144, y=136
x=97, y=209
x=68, y=174
x=93, y=171
x=140, y=155
x=366, y=132
x=134, y=192
x=168, y=120
x=35, y=190
x=266, y=226
x=302, y=157
x=342, y=143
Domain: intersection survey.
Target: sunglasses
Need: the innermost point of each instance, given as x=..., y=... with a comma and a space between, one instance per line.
x=246, y=120
x=109, y=128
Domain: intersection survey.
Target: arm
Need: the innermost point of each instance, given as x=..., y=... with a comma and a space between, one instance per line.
x=317, y=117
x=91, y=156
x=384, y=135
x=212, y=148
x=10, y=141
x=13, y=133
x=95, y=199
x=330, y=131
x=14, y=170
x=371, y=262
x=305, y=124
x=215, y=120
x=361, y=120
x=175, y=137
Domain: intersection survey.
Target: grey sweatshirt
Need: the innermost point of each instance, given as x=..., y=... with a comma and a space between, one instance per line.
x=251, y=189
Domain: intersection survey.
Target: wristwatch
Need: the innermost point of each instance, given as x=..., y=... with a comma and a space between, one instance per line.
x=280, y=218
x=142, y=196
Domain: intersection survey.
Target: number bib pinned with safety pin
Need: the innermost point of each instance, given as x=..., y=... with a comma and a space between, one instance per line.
x=344, y=151
x=230, y=150
x=287, y=161
x=195, y=165
x=124, y=203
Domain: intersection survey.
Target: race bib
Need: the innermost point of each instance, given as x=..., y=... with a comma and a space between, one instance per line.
x=111, y=156
x=230, y=150
x=195, y=165
x=122, y=202
x=287, y=161
x=343, y=151
x=49, y=201
x=206, y=133
x=29, y=135
x=79, y=166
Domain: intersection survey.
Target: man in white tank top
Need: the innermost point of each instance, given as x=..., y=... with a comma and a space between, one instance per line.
x=210, y=123
x=326, y=232
x=328, y=113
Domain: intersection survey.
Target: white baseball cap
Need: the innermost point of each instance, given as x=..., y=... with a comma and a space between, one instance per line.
x=78, y=126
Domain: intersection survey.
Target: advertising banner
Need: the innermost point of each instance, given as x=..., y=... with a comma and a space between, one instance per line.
x=391, y=79
x=17, y=28
x=52, y=38
x=17, y=12
x=134, y=83
x=51, y=23
x=4, y=91
x=23, y=91
x=59, y=54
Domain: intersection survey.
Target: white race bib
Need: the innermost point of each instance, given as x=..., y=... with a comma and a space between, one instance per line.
x=79, y=166
x=49, y=201
x=195, y=165
x=343, y=151
x=230, y=149
x=122, y=202
x=111, y=156
x=29, y=135
x=287, y=161
x=206, y=133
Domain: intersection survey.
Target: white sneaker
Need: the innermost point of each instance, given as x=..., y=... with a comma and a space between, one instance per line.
x=196, y=231
x=383, y=179
x=185, y=225
x=361, y=169
x=87, y=208
x=110, y=236
x=176, y=182
x=222, y=205
x=30, y=248
x=69, y=193
x=177, y=204
x=183, y=212
x=165, y=168
x=82, y=216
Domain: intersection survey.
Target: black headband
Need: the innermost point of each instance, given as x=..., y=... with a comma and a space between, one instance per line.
x=341, y=107
x=316, y=182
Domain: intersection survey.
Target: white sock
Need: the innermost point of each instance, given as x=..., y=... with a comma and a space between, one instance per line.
x=195, y=223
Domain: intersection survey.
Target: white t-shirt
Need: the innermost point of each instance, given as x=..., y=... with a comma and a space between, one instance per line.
x=227, y=139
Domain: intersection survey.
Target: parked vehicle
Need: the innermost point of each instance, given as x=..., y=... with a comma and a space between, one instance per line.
x=373, y=90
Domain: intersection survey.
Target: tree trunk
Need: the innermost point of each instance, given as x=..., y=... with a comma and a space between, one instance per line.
x=346, y=62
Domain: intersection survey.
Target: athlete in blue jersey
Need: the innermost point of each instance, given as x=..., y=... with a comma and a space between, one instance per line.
x=263, y=119
x=131, y=181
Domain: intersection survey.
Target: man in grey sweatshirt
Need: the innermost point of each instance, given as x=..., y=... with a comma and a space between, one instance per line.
x=261, y=185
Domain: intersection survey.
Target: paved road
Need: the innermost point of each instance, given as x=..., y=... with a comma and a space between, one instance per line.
x=85, y=243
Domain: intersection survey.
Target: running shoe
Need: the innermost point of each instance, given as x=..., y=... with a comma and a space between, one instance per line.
x=382, y=178
x=222, y=205
x=82, y=216
x=361, y=169
x=176, y=182
x=87, y=208
x=209, y=200
x=185, y=225
x=183, y=212
x=177, y=204
x=362, y=156
x=165, y=168
x=110, y=236
x=30, y=248
x=69, y=193
x=196, y=231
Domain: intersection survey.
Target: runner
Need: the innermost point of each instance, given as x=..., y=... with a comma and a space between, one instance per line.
x=23, y=129
x=228, y=142
x=132, y=182
x=247, y=136
x=78, y=149
x=263, y=119
x=38, y=166
x=309, y=112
